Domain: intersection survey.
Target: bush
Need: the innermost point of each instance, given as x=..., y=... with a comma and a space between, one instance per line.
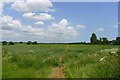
x=35, y=42
x=11, y=43
x=29, y=42
x=21, y=42
x=4, y=43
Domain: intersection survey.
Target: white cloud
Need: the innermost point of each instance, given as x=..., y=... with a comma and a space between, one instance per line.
x=100, y=29
x=80, y=27
x=61, y=30
x=32, y=5
x=55, y=32
x=29, y=30
x=63, y=23
x=39, y=23
x=41, y=16
x=8, y=23
x=7, y=33
x=14, y=29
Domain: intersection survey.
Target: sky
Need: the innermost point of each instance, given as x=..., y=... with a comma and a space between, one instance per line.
x=58, y=21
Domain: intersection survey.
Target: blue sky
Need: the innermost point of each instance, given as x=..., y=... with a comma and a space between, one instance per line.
x=59, y=21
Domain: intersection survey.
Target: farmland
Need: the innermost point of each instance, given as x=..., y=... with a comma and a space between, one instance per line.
x=60, y=61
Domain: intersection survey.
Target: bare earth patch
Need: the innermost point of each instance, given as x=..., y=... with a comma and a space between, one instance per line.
x=57, y=72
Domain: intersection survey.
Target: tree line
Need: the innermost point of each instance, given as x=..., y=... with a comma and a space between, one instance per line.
x=103, y=40
x=12, y=43
x=93, y=40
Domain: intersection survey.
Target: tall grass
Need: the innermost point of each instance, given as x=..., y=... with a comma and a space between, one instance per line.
x=89, y=63
x=33, y=61
x=37, y=61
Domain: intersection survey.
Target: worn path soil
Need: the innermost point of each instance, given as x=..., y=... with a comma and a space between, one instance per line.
x=58, y=72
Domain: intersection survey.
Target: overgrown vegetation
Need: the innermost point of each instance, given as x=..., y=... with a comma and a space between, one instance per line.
x=100, y=64
x=79, y=61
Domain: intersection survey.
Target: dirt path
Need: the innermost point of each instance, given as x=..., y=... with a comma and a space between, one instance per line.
x=58, y=72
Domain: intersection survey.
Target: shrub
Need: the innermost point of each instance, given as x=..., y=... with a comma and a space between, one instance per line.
x=11, y=43
x=4, y=43
x=35, y=42
x=29, y=42
x=21, y=42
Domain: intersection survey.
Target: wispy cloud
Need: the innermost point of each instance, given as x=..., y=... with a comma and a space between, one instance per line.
x=80, y=27
x=100, y=29
x=115, y=26
x=41, y=16
x=39, y=23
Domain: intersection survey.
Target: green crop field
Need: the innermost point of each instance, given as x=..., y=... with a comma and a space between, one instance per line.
x=77, y=60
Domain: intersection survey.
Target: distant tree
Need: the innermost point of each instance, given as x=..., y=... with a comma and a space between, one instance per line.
x=105, y=40
x=29, y=42
x=35, y=42
x=93, y=39
x=117, y=40
x=4, y=42
x=110, y=42
x=11, y=43
x=21, y=42
x=100, y=40
x=114, y=42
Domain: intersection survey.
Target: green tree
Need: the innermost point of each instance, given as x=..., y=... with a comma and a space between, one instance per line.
x=105, y=40
x=4, y=42
x=93, y=39
x=29, y=42
x=11, y=43
x=100, y=40
x=35, y=42
x=118, y=40
x=21, y=42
